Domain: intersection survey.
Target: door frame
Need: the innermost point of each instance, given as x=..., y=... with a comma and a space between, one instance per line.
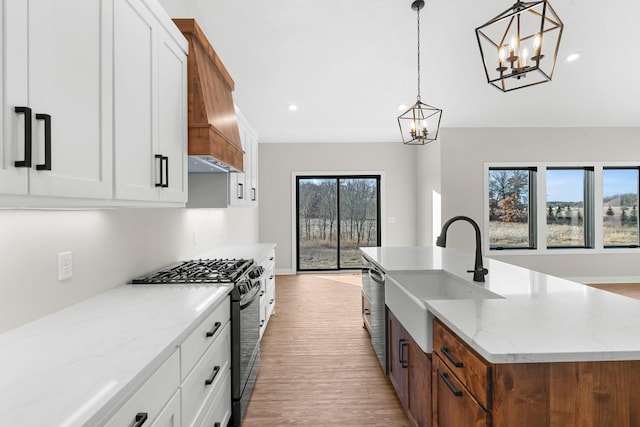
x=294, y=205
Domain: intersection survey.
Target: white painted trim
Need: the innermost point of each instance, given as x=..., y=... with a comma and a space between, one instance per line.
x=285, y=272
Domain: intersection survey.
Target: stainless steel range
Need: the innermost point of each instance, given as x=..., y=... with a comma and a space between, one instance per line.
x=245, y=315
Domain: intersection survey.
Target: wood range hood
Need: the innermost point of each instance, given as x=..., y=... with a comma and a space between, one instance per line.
x=214, y=139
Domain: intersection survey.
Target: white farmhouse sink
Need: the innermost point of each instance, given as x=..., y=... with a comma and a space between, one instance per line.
x=405, y=292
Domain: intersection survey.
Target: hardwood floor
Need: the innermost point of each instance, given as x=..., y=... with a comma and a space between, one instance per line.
x=318, y=367
x=631, y=290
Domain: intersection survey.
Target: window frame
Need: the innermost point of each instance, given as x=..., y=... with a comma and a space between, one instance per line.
x=532, y=213
x=618, y=167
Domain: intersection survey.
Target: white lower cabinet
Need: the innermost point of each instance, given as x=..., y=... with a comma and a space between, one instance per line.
x=193, y=387
x=150, y=399
x=204, y=383
x=170, y=415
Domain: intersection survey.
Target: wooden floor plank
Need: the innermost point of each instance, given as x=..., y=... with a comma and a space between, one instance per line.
x=631, y=290
x=318, y=367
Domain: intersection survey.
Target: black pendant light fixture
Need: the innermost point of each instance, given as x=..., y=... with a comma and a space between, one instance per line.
x=420, y=124
x=519, y=47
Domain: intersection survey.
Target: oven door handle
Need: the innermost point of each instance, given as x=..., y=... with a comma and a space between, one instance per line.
x=254, y=297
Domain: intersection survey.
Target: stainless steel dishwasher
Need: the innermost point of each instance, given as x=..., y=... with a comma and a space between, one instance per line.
x=373, y=309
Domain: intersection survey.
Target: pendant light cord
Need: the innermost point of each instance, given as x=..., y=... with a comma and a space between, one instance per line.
x=418, y=13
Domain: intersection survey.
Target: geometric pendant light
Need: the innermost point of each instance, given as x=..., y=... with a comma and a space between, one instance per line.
x=519, y=47
x=420, y=124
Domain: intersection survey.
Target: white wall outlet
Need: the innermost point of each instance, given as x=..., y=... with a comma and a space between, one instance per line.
x=65, y=265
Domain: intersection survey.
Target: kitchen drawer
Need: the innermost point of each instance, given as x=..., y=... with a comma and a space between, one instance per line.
x=197, y=343
x=455, y=406
x=152, y=396
x=211, y=369
x=170, y=415
x=219, y=412
x=470, y=368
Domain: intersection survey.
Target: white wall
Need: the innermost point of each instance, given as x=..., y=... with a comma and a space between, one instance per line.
x=464, y=152
x=278, y=161
x=109, y=248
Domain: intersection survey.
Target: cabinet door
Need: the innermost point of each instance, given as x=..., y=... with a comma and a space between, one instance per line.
x=170, y=415
x=172, y=116
x=134, y=133
x=419, y=390
x=453, y=406
x=398, y=357
x=68, y=79
x=253, y=185
x=14, y=73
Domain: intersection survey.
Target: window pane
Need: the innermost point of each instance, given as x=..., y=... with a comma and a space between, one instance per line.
x=317, y=222
x=358, y=218
x=565, y=208
x=510, y=223
x=620, y=206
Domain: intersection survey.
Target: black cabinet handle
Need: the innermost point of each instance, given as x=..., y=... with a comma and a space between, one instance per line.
x=271, y=277
x=455, y=391
x=261, y=323
x=216, y=425
x=456, y=363
x=261, y=293
x=26, y=163
x=141, y=418
x=403, y=360
x=253, y=194
x=240, y=190
x=46, y=166
x=213, y=376
x=166, y=171
x=161, y=158
x=271, y=302
x=213, y=331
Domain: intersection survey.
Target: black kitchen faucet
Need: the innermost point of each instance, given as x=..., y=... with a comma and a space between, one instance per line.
x=478, y=270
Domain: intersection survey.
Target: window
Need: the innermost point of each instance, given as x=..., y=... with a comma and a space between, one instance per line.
x=511, y=207
x=569, y=207
x=562, y=207
x=335, y=216
x=620, y=187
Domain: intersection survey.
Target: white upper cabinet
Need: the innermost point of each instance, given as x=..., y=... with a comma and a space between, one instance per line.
x=150, y=98
x=94, y=104
x=243, y=187
x=56, y=120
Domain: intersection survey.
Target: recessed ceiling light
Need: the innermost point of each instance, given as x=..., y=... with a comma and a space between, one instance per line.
x=573, y=57
x=402, y=107
x=292, y=107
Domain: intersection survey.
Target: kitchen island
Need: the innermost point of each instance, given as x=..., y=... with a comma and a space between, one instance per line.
x=546, y=351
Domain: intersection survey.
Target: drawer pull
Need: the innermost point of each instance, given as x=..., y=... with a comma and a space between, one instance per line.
x=213, y=376
x=141, y=418
x=271, y=302
x=261, y=323
x=456, y=363
x=26, y=163
x=216, y=425
x=454, y=390
x=213, y=331
x=46, y=166
x=403, y=361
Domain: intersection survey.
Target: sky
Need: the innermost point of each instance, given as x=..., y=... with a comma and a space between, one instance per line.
x=567, y=185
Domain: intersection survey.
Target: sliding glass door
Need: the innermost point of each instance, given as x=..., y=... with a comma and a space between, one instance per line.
x=335, y=216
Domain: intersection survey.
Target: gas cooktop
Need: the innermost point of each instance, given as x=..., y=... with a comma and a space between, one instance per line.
x=198, y=271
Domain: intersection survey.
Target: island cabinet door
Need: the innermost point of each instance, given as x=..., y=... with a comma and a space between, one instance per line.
x=453, y=406
x=419, y=391
x=398, y=348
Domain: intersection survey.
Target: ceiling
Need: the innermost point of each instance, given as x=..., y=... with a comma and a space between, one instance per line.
x=349, y=64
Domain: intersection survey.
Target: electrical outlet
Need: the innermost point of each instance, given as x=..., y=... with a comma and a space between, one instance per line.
x=65, y=265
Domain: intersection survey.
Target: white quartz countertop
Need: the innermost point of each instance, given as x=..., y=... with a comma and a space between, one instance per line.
x=542, y=318
x=73, y=367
